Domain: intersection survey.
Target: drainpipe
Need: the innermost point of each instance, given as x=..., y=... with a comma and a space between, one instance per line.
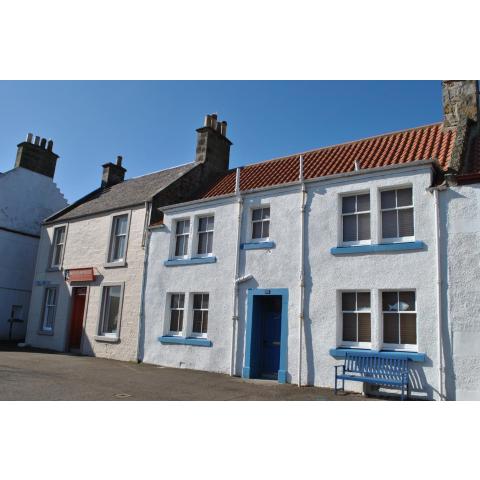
x=146, y=244
x=302, y=271
x=435, y=191
x=236, y=280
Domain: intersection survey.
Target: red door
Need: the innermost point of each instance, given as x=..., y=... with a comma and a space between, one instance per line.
x=79, y=296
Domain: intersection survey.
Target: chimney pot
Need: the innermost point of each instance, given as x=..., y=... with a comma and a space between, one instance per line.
x=50, y=145
x=29, y=138
x=43, y=142
x=119, y=160
x=37, y=140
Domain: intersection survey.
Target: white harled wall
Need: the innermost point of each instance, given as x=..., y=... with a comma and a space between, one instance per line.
x=325, y=276
x=461, y=245
x=26, y=199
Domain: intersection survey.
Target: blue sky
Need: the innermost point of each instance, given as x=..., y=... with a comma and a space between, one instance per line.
x=152, y=123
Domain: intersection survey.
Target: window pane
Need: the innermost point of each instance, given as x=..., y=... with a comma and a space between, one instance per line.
x=197, y=301
x=348, y=204
x=404, y=197
x=405, y=222
x=257, y=214
x=363, y=301
x=58, y=254
x=112, y=309
x=181, y=245
x=389, y=224
x=205, y=322
x=349, y=327
x=202, y=224
x=364, y=226
x=364, y=327
x=257, y=230
x=388, y=199
x=205, y=301
x=176, y=321
x=209, y=242
x=266, y=213
x=407, y=301
x=349, y=228
x=363, y=203
x=348, y=301
x=210, y=223
x=118, y=248
x=390, y=328
x=121, y=225
x=266, y=229
x=408, y=328
x=197, y=321
x=202, y=243
x=390, y=301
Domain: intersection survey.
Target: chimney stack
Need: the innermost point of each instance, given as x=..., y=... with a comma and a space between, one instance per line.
x=113, y=173
x=37, y=155
x=213, y=146
x=460, y=102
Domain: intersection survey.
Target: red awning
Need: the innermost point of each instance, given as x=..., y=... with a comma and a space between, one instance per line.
x=80, y=275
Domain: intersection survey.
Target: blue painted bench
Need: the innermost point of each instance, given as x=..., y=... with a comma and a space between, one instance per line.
x=374, y=369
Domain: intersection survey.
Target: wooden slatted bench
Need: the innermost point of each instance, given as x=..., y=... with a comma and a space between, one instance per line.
x=370, y=368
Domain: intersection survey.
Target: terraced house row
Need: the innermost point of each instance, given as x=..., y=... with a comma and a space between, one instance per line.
x=283, y=268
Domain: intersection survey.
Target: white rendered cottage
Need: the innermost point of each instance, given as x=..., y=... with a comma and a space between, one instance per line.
x=87, y=293
x=28, y=195
x=280, y=268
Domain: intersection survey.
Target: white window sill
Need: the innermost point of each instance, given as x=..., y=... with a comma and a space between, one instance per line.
x=106, y=339
x=399, y=348
x=45, y=332
x=398, y=240
x=120, y=263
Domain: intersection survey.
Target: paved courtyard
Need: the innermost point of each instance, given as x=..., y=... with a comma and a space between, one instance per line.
x=37, y=375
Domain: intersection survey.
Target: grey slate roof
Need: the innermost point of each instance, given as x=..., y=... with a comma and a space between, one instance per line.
x=134, y=191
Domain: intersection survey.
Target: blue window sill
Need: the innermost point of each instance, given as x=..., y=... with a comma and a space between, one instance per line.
x=382, y=247
x=257, y=245
x=413, y=356
x=197, y=342
x=189, y=261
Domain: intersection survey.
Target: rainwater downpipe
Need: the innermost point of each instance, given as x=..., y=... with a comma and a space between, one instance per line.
x=235, y=278
x=146, y=245
x=302, y=272
x=436, y=202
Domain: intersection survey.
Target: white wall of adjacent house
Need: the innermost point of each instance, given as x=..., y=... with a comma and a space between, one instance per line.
x=87, y=244
x=26, y=199
x=461, y=240
x=326, y=277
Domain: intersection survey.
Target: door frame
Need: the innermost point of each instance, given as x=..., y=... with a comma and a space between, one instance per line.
x=255, y=292
x=70, y=311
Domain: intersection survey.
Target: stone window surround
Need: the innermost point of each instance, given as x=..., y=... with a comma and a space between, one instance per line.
x=121, y=263
x=59, y=267
x=40, y=330
x=105, y=338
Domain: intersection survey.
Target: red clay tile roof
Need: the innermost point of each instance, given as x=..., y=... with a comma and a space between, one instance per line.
x=423, y=143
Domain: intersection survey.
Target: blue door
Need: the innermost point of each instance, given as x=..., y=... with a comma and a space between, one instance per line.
x=270, y=344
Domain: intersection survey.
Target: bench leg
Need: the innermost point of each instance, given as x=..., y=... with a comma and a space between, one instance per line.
x=335, y=382
x=403, y=392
